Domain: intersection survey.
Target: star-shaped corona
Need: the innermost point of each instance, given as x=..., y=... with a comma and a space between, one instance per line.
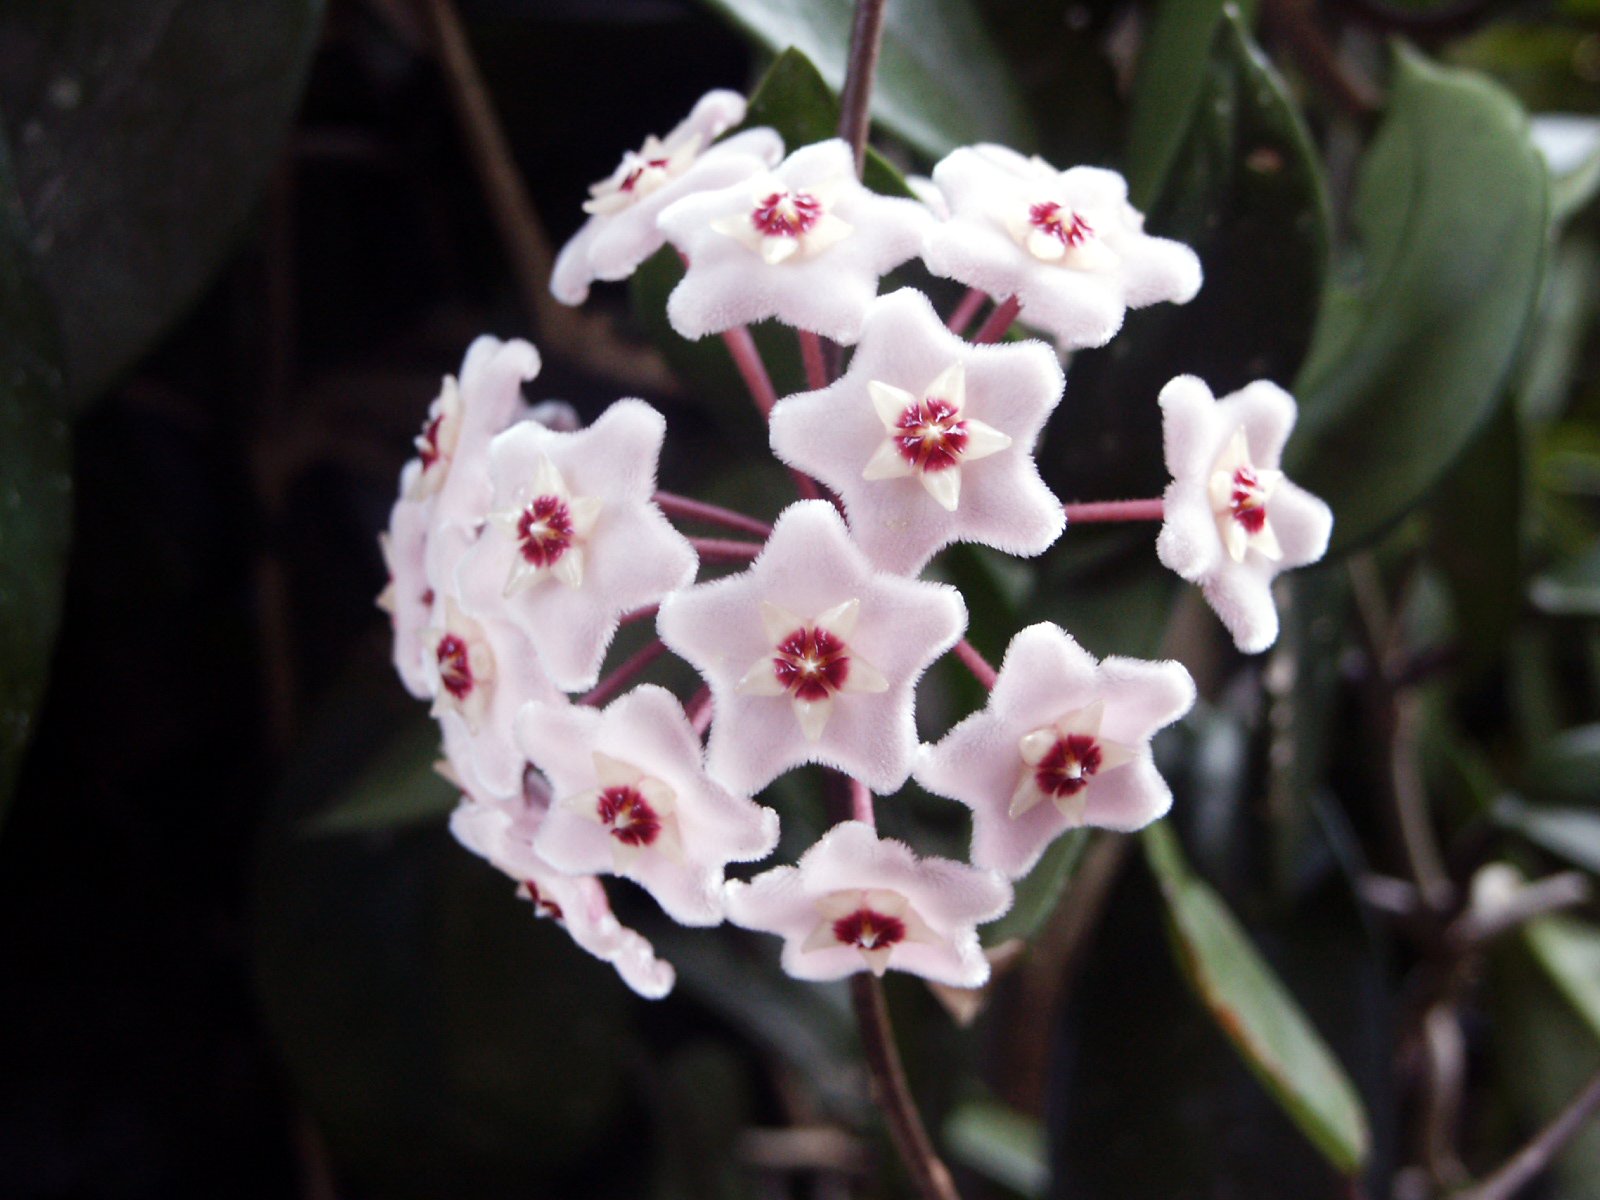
x=929, y=440
x=858, y=902
x=812, y=655
x=1063, y=742
x=1232, y=522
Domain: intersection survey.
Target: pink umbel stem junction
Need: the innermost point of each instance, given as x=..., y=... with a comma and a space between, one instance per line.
x=964, y=312
x=1001, y=319
x=711, y=514
x=630, y=667
x=1116, y=510
x=724, y=549
x=976, y=663
x=861, y=804
x=816, y=362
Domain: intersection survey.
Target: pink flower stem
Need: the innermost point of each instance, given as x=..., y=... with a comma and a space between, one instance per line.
x=976, y=663
x=866, y=38
x=724, y=549
x=811, y=354
x=623, y=675
x=646, y=613
x=861, y=803
x=698, y=510
x=994, y=328
x=962, y=316
x=699, y=711
x=1116, y=510
x=742, y=348
x=893, y=1095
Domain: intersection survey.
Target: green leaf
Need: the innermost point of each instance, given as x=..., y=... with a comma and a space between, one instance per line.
x=795, y=100
x=940, y=84
x=35, y=486
x=1416, y=343
x=1566, y=766
x=1247, y=193
x=143, y=134
x=1249, y=1002
x=1001, y=1144
x=1573, y=833
x=1476, y=527
x=1167, y=92
x=1038, y=892
x=1569, y=952
x=398, y=788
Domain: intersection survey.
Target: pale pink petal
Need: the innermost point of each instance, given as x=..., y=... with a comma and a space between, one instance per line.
x=835, y=433
x=999, y=201
x=1202, y=440
x=808, y=567
x=610, y=246
x=705, y=828
x=631, y=557
x=827, y=290
x=1047, y=677
x=947, y=901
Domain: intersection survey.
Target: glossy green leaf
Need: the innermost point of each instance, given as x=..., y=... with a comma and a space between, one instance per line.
x=143, y=135
x=1247, y=193
x=400, y=787
x=1418, y=336
x=1572, y=833
x=1252, y=1006
x=794, y=99
x=1168, y=92
x=35, y=486
x=1569, y=952
x=940, y=84
x=1038, y=892
x=1570, y=144
x=1476, y=527
x=1566, y=766
x=1000, y=1144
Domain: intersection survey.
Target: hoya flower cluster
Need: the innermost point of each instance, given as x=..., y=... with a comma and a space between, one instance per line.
x=522, y=541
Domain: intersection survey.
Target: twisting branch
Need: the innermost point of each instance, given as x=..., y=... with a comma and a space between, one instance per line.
x=893, y=1096
x=855, y=103
x=1524, y=1166
x=585, y=338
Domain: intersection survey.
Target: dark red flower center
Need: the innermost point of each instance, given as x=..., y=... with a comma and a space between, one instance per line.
x=544, y=530
x=786, y=214
x=455, y=667
x=931, y=435
x=631, y=819
x=811, y=664
x=1248, y=502
x=428, y=441
x=1061, y=223
x=869, y=930
x=1066, y=769
x=631, y=179
x=542, y=905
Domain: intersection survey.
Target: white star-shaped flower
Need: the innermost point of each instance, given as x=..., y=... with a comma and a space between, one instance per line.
x=633, y=799
x=812, y=655
x=857, y=902
x=805, y=243
x=621, y=231
x=928, y=439
x=573, y=540
x=1064, y=741
x=1066, y=244
x=502, y=832
x=1231, y=520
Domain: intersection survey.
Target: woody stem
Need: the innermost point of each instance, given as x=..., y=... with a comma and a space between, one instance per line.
x=892, y=1094
x=855, y=101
